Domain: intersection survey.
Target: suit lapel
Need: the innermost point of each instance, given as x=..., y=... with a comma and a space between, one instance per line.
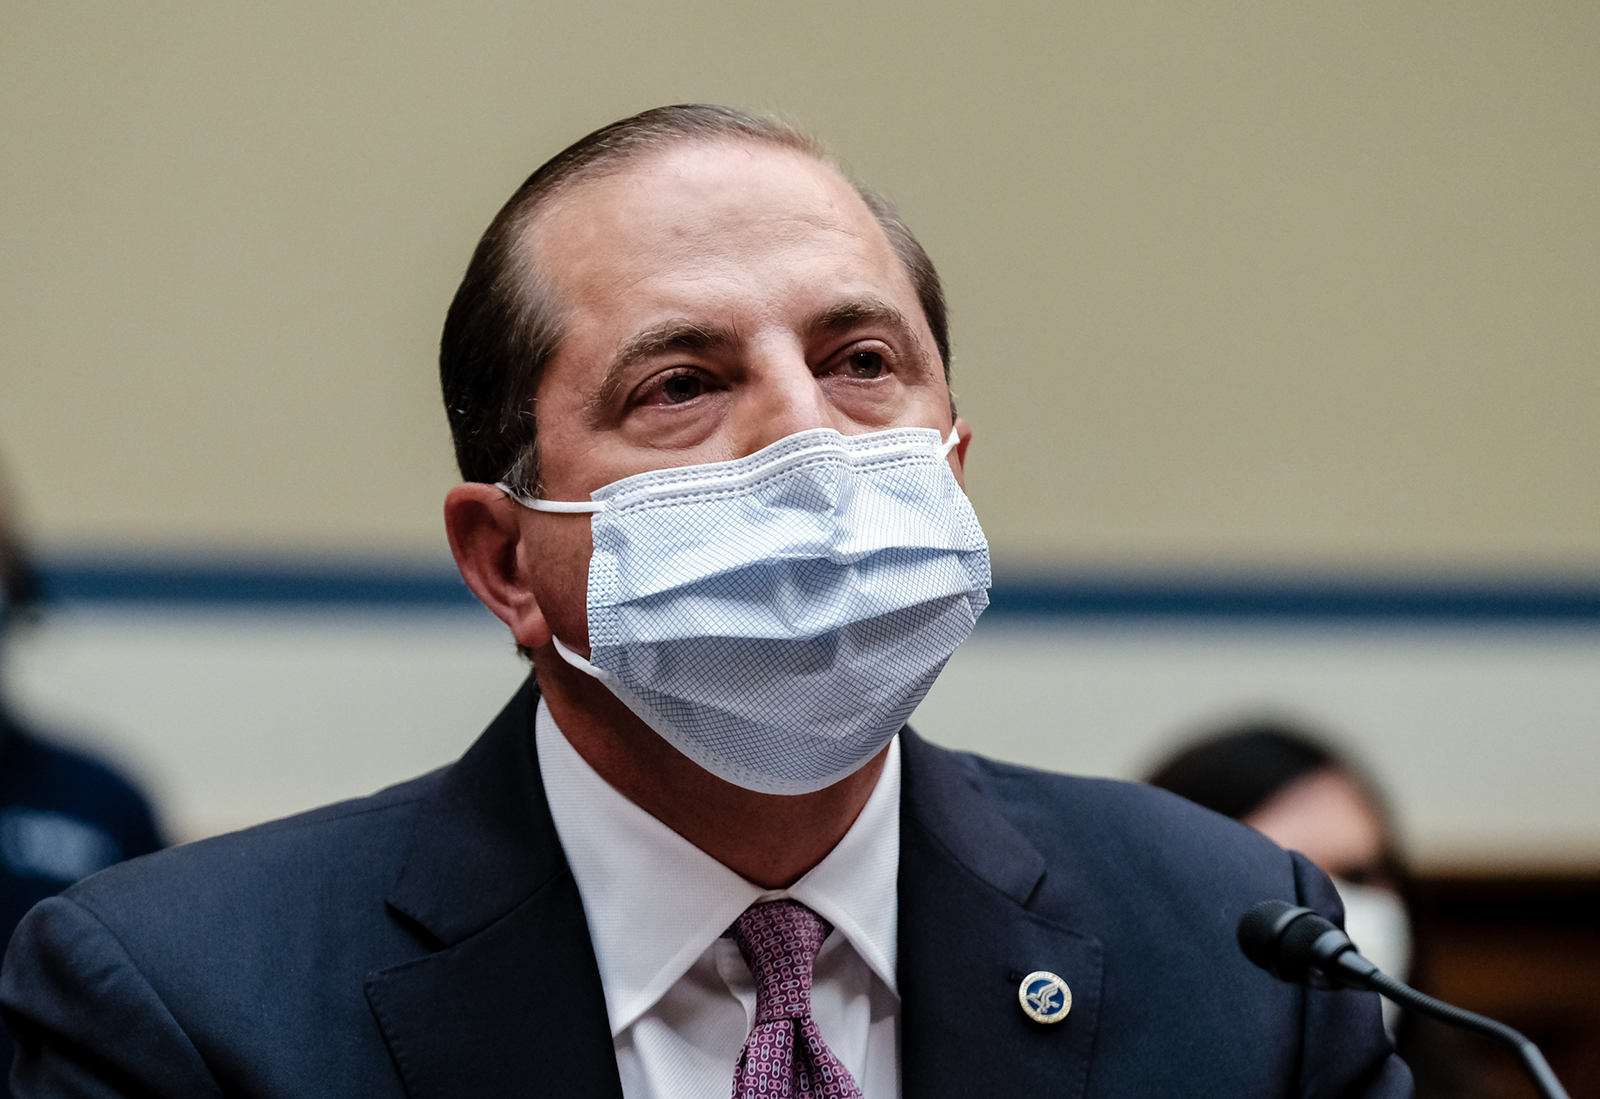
x=509, y=1001
x=967, y=938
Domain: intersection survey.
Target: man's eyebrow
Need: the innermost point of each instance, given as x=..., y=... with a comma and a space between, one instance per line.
x=691, y=337
x=662, y=339
x=852, y=314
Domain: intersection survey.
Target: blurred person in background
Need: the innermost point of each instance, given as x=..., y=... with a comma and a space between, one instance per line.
x=63, y=815
x=1286, y=784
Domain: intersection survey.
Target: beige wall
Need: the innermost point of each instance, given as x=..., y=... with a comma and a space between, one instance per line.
x=1233, y=283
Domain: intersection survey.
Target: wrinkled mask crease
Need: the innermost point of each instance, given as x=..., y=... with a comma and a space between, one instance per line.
x=777, y=618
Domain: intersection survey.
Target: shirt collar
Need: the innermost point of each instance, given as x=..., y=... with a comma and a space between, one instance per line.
x=655, y=901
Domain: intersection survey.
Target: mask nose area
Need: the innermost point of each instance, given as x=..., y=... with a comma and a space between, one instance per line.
x=784, y=398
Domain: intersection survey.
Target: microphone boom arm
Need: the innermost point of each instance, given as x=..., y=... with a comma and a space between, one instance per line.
x=1532, y=1060
x=1297, y=945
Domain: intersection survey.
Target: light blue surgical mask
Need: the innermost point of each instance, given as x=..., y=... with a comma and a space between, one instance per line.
x=1376, y=921
x=777, y=617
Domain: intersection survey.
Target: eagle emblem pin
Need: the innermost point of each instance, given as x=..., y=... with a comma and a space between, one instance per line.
x=1045, y=998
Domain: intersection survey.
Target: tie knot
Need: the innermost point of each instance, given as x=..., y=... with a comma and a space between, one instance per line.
x=779, y=941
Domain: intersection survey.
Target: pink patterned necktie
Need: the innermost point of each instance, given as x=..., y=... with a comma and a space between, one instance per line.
x=785, y=1056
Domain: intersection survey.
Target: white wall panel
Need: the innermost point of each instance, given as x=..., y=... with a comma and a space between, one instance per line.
x=1487, y=737
x=236, y=717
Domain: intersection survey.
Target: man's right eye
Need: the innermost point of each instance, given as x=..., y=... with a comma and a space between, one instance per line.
x=684, y=387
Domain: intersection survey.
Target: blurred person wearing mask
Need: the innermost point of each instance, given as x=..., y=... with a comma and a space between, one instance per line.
x=1305, y=797
x=63, y=815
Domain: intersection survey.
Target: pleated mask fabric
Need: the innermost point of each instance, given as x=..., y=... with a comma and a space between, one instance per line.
x=778, y=617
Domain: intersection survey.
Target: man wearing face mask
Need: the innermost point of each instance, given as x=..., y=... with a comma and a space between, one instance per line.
x=697, y=383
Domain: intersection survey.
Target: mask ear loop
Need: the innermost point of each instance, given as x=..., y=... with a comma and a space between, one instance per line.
x=583, y=665
x=949, y=444
x=561, y=506
x=564, y=506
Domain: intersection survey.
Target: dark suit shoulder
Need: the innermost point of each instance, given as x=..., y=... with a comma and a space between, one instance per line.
x=1139, y=893
x=236, y=958
x=1123, y=825
x=242, y=964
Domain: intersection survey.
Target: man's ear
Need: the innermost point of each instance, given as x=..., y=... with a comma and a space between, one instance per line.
x=958, y=456
x=485, y=533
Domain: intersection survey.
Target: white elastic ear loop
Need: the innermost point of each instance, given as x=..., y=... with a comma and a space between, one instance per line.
x=583, y=665
x=949, y=444
x=533, y=504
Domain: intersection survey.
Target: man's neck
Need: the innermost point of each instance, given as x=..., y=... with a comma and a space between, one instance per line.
x=771, y=839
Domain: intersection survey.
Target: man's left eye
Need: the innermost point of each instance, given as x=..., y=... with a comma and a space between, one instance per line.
x=866, y=364
x=683, y=387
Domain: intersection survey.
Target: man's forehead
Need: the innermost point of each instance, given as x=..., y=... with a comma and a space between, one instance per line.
x=702, y=247
x=693, y=195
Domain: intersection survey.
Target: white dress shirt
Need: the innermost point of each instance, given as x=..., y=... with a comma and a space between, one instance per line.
x=680, y=997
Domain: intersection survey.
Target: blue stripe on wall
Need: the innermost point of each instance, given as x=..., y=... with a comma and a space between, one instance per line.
x=1330, y=599
x=319, y=584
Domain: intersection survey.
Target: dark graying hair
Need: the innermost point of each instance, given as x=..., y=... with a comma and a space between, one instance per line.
x=504, y=325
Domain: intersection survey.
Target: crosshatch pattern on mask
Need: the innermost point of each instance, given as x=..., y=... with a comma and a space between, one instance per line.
x=779, y=616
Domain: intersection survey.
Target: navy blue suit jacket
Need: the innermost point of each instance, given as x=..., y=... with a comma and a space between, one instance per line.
x=429, y=942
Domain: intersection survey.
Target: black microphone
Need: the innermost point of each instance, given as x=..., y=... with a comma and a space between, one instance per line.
x=1296, y=945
